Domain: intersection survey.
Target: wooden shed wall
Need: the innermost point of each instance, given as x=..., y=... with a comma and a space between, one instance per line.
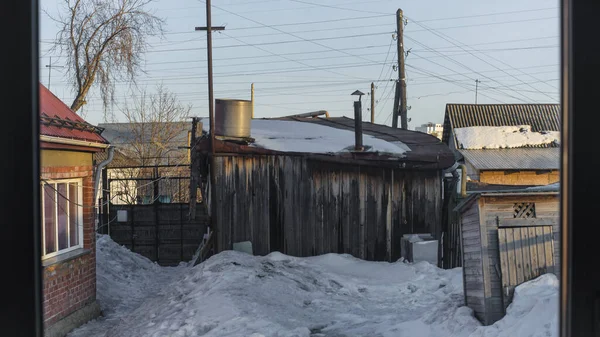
x=502, y=207
x=472, y=261
x=305, y=207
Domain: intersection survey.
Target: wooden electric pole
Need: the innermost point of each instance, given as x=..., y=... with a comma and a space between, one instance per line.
x=252, y=98
x=372, y=103
x=211, y=115
x=400, y=97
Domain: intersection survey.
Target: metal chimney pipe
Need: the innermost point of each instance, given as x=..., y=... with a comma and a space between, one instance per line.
x=358, y=134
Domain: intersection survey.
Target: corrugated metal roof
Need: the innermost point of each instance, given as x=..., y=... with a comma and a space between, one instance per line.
x=58, y=120
x=514, y=159
x=541, y=117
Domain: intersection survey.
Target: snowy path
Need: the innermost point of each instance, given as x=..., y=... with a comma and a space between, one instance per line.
x=235, y=294
x=124, y=281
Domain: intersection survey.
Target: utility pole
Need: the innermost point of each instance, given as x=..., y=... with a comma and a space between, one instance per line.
x=211, y=115
x=372, y=103
x=49, y=66
x=401, y=85
x=477, y=81
x=252, y=98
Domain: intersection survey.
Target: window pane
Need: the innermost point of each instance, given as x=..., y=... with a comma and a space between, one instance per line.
x=49, y=214
x=63, y=217
x=74, y=214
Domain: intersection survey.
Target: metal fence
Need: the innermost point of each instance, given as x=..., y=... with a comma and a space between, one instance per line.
x=147, y=210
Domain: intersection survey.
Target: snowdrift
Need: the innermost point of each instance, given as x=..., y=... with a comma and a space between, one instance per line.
x=236, y=294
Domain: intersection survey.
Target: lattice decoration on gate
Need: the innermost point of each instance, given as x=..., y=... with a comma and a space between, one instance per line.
x=524, y=210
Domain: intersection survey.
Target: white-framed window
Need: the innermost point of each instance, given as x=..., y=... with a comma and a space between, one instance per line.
x=62, y=216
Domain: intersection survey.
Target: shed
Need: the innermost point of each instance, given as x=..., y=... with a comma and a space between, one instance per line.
x=508, y=237
x=300, y=189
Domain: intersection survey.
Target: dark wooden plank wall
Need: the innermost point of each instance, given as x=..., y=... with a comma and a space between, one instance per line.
x=305, y=207
x=162, y=232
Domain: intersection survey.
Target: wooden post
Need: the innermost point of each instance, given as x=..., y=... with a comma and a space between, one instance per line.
x=372, y=103
x=155, y=208
x=252, y=98
x=401, y=71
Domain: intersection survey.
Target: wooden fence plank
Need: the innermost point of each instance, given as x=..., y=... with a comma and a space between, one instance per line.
x=526, y=254
x=539, y=239
x=511, y=261
x=518, y=255
x=504, y=265
x=533, y=252
x=549, y=249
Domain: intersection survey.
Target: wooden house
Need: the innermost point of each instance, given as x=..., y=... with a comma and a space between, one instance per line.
x=518, y=144
x=509, y=236
x=300, y=187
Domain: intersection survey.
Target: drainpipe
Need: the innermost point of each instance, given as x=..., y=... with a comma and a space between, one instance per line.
x=99, y=167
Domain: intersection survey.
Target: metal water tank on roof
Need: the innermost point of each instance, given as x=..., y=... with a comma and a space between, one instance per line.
x=233, y=118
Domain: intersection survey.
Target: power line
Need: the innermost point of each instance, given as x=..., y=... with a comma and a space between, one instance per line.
x=277, y=43
x=460, y=64
x=487, y=24
x=294, y=35
x=454, y=41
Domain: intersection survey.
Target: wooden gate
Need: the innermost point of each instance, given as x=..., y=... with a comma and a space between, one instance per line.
x=525, y=253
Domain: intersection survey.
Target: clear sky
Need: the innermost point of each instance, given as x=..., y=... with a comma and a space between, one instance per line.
x=307, y=55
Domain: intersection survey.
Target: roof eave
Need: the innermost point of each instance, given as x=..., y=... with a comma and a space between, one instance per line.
x=75, y=142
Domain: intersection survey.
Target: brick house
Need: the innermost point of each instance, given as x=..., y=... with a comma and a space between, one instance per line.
x=67, y=145
x=526, y=162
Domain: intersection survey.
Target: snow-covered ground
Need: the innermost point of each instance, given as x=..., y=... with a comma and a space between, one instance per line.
x=502, y=137
x=236, y=294
x=124, y=281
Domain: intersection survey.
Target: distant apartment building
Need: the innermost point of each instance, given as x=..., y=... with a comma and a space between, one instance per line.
x=432, y=129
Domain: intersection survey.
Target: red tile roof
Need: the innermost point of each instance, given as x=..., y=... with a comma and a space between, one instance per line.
x=58, y=120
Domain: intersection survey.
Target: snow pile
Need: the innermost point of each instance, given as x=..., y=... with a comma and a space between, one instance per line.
x=293, y=136
x=533, y=312
x=236, y=294
x=124, y=280
x=499, y=137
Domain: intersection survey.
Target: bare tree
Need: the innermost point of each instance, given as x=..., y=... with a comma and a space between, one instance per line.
x=157, y=127
x=104, y=40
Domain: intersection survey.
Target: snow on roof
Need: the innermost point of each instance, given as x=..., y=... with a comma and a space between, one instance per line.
x=499, y=137
x=293, y=136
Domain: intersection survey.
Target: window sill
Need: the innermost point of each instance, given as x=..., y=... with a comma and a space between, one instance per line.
x=65, y=257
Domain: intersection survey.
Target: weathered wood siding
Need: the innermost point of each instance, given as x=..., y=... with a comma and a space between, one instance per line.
x=494, y=211
x=472, y=261
x=305, y=207
x=525, y=254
